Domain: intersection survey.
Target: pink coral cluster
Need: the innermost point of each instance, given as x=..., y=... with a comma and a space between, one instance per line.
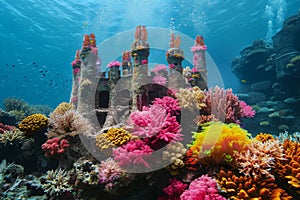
x=109, y=173
x=202, y=188
x=114, y=64
x=224, y=105
x=198, y=48
x=160, y=80
x=134, y=152
x=174, y=190
x=55, y=146
x=158, y=68
x=170, y=104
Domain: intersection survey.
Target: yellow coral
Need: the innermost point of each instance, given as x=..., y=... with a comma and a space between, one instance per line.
x=263, y=137
x=220, y=141
x=295, y=59
x=62, y=108
x=113, y=137
x=33, y=124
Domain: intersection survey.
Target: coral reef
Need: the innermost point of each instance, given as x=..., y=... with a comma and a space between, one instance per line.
x=4, y=128
x=62, y=108
x=170, y=104
x=185, y=100
x=33, y=124
x=174, y=154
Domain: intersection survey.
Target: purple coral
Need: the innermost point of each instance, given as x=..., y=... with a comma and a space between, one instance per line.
x=202, y=188
x=170, y=104
x=134, y=152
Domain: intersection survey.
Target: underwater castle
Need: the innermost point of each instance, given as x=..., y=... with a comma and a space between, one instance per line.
x=138, y=87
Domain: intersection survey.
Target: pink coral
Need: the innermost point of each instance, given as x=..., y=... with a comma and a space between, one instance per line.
x=55, y=146
x=170, y=104
x=171, y=65
x=160, y=80
x=174, y=190
x=134, y=152
x=224, y=105
x=202, y=188
x=158, y=68
x=109, y=173
x=114, y=64
x=198, y=48
x=144, y=62
x=153, y=122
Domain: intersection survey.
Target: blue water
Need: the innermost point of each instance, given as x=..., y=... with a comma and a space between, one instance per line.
x=38, y=38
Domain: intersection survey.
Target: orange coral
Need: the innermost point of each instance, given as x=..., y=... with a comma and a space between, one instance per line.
x=220, y=141
x=33, y=123
x=245, y=187
x=289, y=169
x=263, y=137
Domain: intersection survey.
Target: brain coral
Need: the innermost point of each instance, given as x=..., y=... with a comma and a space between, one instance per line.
x=33, y=123
x=219, y=141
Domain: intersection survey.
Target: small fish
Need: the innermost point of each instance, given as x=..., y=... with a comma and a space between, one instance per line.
x=243, y=81
x=13, y=65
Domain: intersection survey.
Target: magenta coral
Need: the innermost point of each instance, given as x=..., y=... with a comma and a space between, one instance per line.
x=198, y=48
x=247, y=110
x=114, y=64
x=134, y=152
x=170, y=104
x=155, y=124
x=174, y=190
x=160, y=80
x=202, y=188
x=55, y=146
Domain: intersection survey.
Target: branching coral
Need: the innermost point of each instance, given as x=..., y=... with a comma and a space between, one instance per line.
x=160, y=80
x=57, y=183
x=4, y=128
x=33, y=124
x=170, y=104
x=203, y=187
x=289, y=169
x=259, y=159
x=111, y=174
x=11, y=136
x=155, y=124
x=219, y=142
x=225, y=106
x=244, y=187
x=134, y=152
x=191, y=98
x=68, y=123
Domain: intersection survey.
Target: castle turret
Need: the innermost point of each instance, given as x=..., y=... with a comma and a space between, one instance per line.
x=199, y=59
x=175, y=54
x=126, y=63
x=140, y=52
